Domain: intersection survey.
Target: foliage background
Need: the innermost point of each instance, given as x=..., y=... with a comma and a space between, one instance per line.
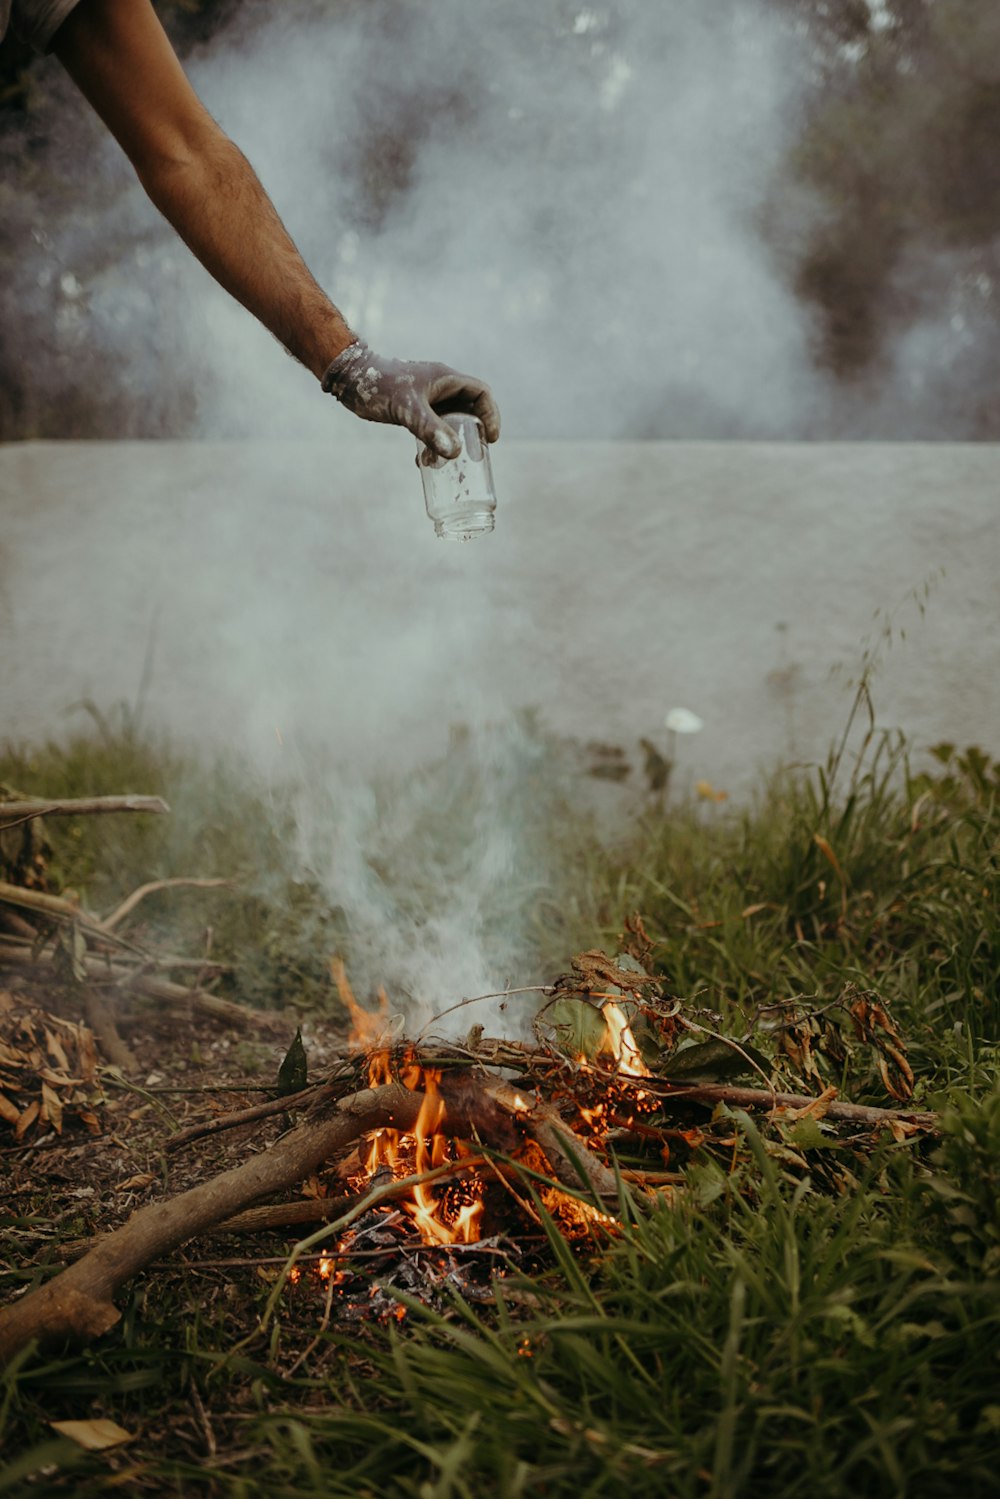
x=879, y=216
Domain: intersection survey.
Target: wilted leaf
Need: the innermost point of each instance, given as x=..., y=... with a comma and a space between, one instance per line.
x=595, y=972
x=579, y=1025
x=57, y=1079
x=56, y=1051
x=826, y=850
x=87, y=1054
x=874, y=1025
x=52, y=1108
x=8, y=1111
x=136, y=1183
x=294, y=1070
x=95, y=1435
x=27, y=1119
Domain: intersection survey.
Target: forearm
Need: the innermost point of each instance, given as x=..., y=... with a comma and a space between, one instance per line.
x=214, y=201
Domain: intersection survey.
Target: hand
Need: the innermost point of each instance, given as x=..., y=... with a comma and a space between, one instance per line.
x=410, y=394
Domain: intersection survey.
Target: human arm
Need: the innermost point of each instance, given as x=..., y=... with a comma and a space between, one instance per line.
x=120, y=58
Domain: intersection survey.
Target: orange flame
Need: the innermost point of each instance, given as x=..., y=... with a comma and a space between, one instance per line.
x=439, y=1219
x=366, y=1028
x=620, y=1041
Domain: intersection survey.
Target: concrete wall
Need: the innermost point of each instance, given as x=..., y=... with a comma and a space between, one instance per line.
x=274, y=591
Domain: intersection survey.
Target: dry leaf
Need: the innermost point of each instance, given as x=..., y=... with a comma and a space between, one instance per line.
x=8, y=1110
x=94, y=1435
x=52, y=1108
x=54, y=1047
x=58, y=1079
x=816, y=1109
x=27, y=1119
x=90, y=1121
x=87, y=1054
x=135, y=1183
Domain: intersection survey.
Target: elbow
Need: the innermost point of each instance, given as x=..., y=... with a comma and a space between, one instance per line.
x=175, y=156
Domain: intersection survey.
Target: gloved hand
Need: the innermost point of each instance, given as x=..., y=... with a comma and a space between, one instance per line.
x=410, y=394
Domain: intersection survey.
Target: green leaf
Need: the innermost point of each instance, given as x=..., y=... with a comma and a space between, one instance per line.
x=294, y=1070
x=712, y=1060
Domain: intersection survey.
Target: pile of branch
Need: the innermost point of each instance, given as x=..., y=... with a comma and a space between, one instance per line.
x=50, y=937
x=481, y=1106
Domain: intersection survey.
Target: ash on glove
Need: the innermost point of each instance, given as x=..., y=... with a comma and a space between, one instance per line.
x=411, y=394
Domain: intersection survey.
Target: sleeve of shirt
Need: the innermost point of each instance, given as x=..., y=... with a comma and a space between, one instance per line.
x=37, y=21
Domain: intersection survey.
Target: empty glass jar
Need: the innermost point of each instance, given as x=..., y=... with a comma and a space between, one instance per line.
x=458, y=492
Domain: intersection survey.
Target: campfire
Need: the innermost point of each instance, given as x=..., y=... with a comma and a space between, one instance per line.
x=424, y=1164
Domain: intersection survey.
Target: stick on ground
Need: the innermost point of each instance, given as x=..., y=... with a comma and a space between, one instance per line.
x=24, y=811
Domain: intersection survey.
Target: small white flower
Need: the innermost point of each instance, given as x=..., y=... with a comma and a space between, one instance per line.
x=683, y=721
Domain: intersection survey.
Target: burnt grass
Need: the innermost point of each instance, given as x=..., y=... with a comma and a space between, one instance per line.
x=806, y=1312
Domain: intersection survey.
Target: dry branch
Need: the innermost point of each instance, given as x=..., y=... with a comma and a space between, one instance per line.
x=177, y=996
x=24, y=811
x=763, y=1098
x=314, y=1095
x=129, y=904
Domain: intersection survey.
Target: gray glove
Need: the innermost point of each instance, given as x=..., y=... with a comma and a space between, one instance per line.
x=410, y=394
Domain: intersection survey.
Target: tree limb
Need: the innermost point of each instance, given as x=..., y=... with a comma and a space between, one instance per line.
x=762, y=1098
x=24, y=811
x=177, y=996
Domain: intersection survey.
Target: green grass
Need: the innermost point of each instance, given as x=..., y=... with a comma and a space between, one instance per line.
x=807, y=1316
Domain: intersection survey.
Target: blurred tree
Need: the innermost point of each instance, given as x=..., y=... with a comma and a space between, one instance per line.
x=900, y=154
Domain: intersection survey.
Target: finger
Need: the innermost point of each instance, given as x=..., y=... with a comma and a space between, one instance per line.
x=450, y=391
x=425, y=424
x=485, y=407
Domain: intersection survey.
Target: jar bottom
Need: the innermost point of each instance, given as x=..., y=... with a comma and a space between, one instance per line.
x=463, y=525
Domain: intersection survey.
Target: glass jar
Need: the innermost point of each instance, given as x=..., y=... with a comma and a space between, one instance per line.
x=458, y=492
